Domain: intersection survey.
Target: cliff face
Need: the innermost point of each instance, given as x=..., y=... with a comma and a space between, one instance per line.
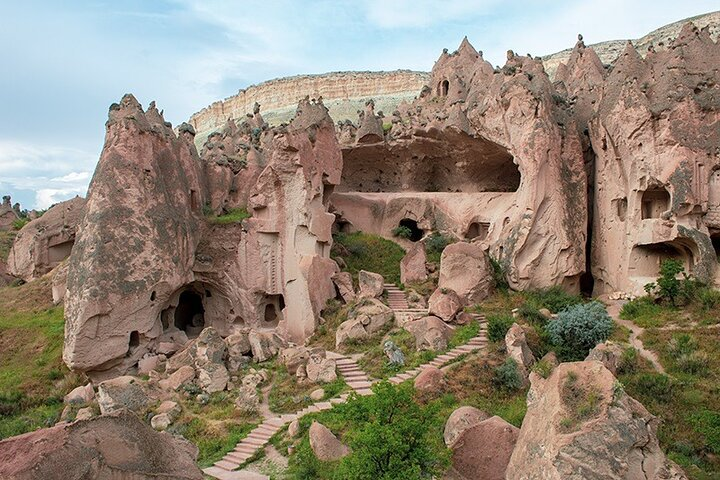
x=343, y=93
x=657, y=39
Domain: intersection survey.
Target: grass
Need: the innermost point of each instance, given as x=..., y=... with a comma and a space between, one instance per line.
x=702, y=308
x=235, y=215
x=213, y=439
x=581, y=403
x=6, y=242
x=33, y=378
x=376, y=364
x=686, y=400
x=363, y=251
x=288, y=396
x=334, y=314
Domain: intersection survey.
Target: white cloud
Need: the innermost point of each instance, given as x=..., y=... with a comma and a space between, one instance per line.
x=424, y=13
x=46, y=197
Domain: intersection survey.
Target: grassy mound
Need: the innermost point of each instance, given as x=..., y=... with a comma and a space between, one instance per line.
x=364, y=251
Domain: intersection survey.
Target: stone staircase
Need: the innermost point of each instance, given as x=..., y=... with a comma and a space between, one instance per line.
x=356, y=378
x=397, y=300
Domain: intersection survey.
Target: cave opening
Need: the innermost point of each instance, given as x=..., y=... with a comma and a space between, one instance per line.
x=715, y=239
x=655, y=201
x=646, y=259
x=59, y=252
x=190, y=313
x=477, y=230
x=416, y=233
x=444, y=88
x=274, y=306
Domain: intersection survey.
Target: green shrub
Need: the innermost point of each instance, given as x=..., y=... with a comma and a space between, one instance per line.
x=554, y=299
x=578, y=328
x=682, y=344
x=543, y=368
x=707, y=423
x=708, y=298
x=499, y=275
x=628, y=361
x=532, y=314
x=655, y=386
x=498, y=326
x=694, y=363
x=235, y=215
x=507, y=375
x=391, y=437
x=641, y=306
x=435, y=243
x=402, y=232
x=19, y=223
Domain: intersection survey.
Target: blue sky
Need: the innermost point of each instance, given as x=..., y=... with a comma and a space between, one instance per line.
x=65, y=62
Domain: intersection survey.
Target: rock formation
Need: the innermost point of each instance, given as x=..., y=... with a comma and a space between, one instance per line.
x=580, y=424
x=8, y=214
x=119, y=446
x=45, y=242
x=149, y=260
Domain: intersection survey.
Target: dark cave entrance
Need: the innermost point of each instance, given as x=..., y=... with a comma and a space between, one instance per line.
x=477, y=230
x=274, y=306
x=444, y=88
x=190, y=313
x=715, y=239
x=416, y=232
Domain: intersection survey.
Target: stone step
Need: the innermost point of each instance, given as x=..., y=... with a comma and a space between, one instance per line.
x=260, y=435
x=324, y=405
x=254, y=441
x=365, y=392
x=359, y=385
x=238, y=457
x=336, y=401
x=275, y=421
x=222, y=474
x=245, y=448
x=226, y=465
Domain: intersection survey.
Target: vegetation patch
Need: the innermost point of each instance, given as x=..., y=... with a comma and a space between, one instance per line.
x=578, y=328
x=6, y=242
x=376, y=364
x=213, y=439
x=289, y=396
x=364, y=251
x=390, y=435
x=581, y=403
x=235, y=215
x=435, y=243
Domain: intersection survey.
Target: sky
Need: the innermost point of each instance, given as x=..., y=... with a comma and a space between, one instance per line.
x=64, y=63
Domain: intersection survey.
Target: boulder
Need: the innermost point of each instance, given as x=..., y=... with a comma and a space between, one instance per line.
x=294, y=428
x=460, y=420
x=325, y=444
x=160, y=421
x=122, y=392
x=517, y=348
x=149, y=363
x=372, y=285
x=209, y=348
x=444, y=303
x=617, y=438
x=173, y=409
x=609, y=354
x=320, y=369
x=248, y=399
x=81, y=395
x=484, y=449
x=238, y=351
x=117, y=446
x=412, y=265
x=366, y=318
x=85, y=413
x=430, y=381
x=212, y=377
x=183, y=358
x=344, y=283
x=264, y=345
x=465, y=269
x=430, y=332
x=294, y=357
x=317, y=394
x=180, y=377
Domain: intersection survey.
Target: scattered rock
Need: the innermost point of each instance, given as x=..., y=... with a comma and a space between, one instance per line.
x=117, y=446
x=609, y=354
x=85, y=413
x=238, y=351
x=294, y=357
x=517, y=348
x=182, y=376
x=81, y=395
x=212, y=377
x=444, y=303
x=430, y=332
x=320, y=369
x=460, y=420
x=325, y=444
x=317, y=394
x=372, y=285
x=122, y=392
x=368, y=317
x=264, y=345
x=160, y=422
x=294, y=428
x=483, y=450
x=430, y=381
x=210, y=348
x=150, y=362
x=248, y=399
x=344, y=283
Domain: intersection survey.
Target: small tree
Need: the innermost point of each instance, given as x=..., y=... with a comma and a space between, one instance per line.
x=579, y=328
x=393, y=438
x=669, y=286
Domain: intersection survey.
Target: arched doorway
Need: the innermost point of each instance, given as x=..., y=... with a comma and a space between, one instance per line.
x=190, y=313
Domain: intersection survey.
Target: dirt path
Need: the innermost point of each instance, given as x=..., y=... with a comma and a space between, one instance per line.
x=264, y=407
x=613, y=308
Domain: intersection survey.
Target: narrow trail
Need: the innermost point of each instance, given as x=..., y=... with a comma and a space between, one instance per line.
x=613, y=308
x=358, y=380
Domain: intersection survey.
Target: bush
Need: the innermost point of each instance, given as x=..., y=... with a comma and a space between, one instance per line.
x=543, y=368
x=499, y=275
x=19, y=223
x=578, y=328
x=682, y=344
x=498, y=326
x=639, y=307
x=402, y=232
x=235, y=215
x=507, y=375
x=435, y=244
x=554, y=299
x=391, y=437
x=628, y=361
x=694, y=363
x=707, y=422
x=532, y=314
x=655, y=386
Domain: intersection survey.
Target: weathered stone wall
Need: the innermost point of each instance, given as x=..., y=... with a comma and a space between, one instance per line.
x=343, y=94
